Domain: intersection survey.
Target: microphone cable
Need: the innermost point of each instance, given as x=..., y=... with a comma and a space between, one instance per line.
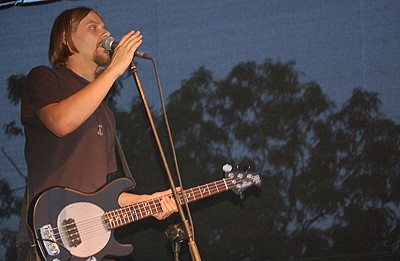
x=172, y=145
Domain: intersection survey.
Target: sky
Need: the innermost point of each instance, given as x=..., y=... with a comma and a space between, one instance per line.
x=340, y=45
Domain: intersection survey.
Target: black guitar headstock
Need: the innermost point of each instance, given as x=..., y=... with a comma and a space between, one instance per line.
x=240, y=179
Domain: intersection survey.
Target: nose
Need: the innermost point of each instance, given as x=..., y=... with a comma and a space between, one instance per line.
x=106, y=34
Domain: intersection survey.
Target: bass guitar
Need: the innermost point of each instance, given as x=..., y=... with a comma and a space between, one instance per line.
x=71, y=225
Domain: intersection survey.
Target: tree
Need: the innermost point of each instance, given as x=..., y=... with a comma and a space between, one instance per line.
x=330, y=176
x=306, y=152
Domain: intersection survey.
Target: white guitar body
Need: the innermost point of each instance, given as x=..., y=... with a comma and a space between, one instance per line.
x=94, y=234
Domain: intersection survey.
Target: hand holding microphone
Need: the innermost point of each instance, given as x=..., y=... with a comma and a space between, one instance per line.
x=110, y=44
x=124, y=51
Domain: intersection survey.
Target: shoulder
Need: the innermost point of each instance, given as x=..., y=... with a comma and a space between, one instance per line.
x=40, y=72
x=40, y=69
x=43, y=70
x=43, y=82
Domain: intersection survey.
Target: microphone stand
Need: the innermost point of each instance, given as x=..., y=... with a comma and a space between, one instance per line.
x=194, y=252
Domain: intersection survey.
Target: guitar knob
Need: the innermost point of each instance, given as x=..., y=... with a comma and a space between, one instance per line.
x=227, y=168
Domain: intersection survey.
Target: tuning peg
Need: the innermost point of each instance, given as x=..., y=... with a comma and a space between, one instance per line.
x=227, y=168
x=246, y=168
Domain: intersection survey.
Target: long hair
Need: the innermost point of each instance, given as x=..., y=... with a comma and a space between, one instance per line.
x=61, y=44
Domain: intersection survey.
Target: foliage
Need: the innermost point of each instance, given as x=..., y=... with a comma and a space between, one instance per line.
x=14, y=87
x=330, y=176
x=9, y=207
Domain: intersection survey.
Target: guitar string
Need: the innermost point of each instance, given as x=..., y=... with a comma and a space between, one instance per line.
x=144, y=207
x=89, y=231
x=141, y=207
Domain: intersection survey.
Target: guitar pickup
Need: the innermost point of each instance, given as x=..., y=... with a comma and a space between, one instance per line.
x=71, y=230
x=49, y=240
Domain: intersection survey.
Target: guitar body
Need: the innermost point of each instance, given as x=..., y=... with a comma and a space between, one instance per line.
x=69, y=225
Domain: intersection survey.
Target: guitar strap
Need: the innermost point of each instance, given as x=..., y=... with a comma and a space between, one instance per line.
x=25, y=245
x=124, y=163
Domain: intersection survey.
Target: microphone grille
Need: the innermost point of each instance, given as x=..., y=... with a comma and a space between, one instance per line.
x=107, y=43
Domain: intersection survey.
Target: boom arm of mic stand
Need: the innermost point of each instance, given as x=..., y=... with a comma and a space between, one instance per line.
x=194, y=252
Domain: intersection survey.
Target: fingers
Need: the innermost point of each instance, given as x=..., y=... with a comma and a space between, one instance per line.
x=168, y=205
x=131, y=41
x=124, y=52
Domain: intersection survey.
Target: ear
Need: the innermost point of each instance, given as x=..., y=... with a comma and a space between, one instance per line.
x=65, y=42
x=63, y=39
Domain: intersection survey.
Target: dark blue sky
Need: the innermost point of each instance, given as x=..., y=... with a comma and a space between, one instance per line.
x=339, y=44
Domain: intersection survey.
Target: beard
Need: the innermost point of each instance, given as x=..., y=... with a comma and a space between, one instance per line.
x=101, y=58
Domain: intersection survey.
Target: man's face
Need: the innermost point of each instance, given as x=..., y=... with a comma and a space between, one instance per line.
x=88, y=39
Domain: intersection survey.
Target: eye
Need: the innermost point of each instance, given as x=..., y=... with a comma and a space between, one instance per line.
x=92, y=26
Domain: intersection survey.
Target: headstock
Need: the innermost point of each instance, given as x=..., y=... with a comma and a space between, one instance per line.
x=241, y=179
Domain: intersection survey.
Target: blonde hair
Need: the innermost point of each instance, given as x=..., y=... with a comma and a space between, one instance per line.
x=61, y=44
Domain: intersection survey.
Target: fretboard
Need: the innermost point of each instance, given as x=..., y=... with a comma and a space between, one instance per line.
x=128, y=214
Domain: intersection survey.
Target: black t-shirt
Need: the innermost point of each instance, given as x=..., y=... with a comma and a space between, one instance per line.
x=79, y=160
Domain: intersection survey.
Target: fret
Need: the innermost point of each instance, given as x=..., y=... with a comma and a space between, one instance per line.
x=125, y=216
x=139, y=209
x=106, y=219
x=142, y=207
x=226, y=185
x=218, y=188
x=190, y=196
x=151, y=207
x=208, y=189
x=119, y=217
x=158, y=205
x=111, y=220
x=147, y=209
x=193, y=194
x=133, y=213
x=116, y=217
x=136, y=212
x=201, y=193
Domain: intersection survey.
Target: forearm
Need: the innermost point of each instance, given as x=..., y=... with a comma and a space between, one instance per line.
x=67, y=115
x=126, y=198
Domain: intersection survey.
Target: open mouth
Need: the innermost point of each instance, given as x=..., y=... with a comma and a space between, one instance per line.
x=102, y=47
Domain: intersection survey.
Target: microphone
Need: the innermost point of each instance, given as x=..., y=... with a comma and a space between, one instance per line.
x=109, y=44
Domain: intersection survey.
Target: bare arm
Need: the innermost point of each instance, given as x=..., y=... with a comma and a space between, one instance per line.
x=67, y=115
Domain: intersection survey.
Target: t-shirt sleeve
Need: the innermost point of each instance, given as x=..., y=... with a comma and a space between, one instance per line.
x=43, y=87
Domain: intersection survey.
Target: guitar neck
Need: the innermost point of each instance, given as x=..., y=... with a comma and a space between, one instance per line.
x=128, y=214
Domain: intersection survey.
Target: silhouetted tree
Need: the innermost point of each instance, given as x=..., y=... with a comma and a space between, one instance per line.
x=330, y=176
x=307, y=153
